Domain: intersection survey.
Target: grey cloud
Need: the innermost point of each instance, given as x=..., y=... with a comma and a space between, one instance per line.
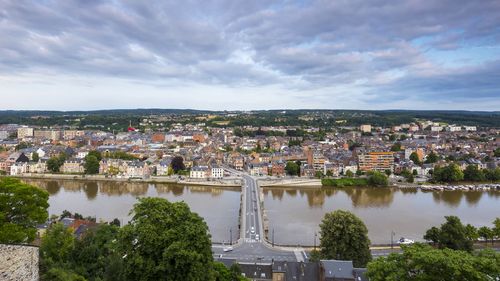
x=315, y=44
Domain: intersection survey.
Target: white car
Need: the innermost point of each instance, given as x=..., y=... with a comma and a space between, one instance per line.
x=227, y=249
x=405, y=241
x=257, y=237
x=252, y=230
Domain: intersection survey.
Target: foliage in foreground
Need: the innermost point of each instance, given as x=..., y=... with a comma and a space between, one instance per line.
x=22, y=208
x=422, y=262
x=344, y=237
x=164, y=241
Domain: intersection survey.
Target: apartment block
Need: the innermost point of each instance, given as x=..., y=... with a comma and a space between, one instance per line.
x=376, y=161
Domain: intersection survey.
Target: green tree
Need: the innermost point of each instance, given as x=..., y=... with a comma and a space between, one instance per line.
x=396, y=147
x=431, y=158
x=422, y=262
x=22, y=208
x=344, y=237
x=452, y=234
x=54, y=163
x=60, y=274
x=471, y=232
x=497, y=152
x=349, y=174
x=56, y=247
x=35, y=157
x=91, y=254
x=292, y=168
x=177, y=164
x=414, y=158
x=496, y=227
x=492, y=174
x=472, y=173
x=450, y=173
x=21, y=145
x=91, y=165
x=166, y=239
x=486, y=233
x=378, y=179
x=95, y=153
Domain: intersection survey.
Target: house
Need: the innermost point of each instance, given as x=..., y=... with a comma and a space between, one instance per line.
x=137, y=169
x=336, y=270
x=278, y=168
x=217, y=172
x=18, y=168
x=199, y=172
x=73, y=166
x=307, y=170
x=257, y=271
x=295, y=271
x=259, y=169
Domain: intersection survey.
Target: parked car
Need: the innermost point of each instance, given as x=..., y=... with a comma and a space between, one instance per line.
x=405, y=241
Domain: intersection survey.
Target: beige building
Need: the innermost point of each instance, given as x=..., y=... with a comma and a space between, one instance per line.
x=47, y=134
x=365, y=128
x=24, y=132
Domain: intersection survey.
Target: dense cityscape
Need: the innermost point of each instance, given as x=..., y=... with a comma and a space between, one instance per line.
x=257, y=140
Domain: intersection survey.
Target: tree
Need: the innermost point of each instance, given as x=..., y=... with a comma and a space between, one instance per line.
x=472, y=173
x=318, y=174
x=431, y=158
x=497, y=152
x=60, y=274
x=486, y=233
x=35, y=157
x=492, y=174
x=91, y=165
x=452, y=234
x=22, y=208
x=54, y=163
x=471, y=232
x=56, y=247
x=349, y=174
x=422, y=262
x=377, y=179
x=92, y=253
x=496, y=227
x=115, y=222
x=388, y=172
x=292, y=168
x=396, y=147
x=344, y=237
x=222, y=273
x=165, y=239
x=177, y=164
x=95, y=153
x=21, y=145
x=450, y=173
x=414, y=157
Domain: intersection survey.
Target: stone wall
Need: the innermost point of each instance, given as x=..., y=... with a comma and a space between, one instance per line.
x=18, y=262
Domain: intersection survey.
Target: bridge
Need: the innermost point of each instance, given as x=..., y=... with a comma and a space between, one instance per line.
x=252, y=245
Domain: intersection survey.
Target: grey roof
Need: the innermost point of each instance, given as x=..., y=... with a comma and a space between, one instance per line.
x=337, y=269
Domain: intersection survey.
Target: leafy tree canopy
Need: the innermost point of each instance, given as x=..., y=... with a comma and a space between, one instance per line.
x=22, y=208
x=344, y=237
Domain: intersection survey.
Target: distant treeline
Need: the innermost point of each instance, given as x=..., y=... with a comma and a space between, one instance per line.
x=119, y=119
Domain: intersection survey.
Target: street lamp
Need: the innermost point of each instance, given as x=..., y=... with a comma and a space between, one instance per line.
x=273, y=237
x=315, y=235
x=230, y=236
x=392, y=239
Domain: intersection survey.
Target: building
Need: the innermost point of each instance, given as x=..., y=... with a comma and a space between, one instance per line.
x=47, y=134
x=24, y=132
x=365, y=128
x=217, y=172
x=376, y=161
x=71, y=134
x=73, y=166
x=199, y=172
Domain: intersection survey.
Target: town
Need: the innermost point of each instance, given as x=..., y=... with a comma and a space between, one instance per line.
x=407, y=153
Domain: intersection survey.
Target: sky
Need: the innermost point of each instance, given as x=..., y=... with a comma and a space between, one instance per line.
x=244, y=55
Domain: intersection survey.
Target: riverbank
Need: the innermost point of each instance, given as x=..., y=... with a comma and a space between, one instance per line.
x=229, y=182
x=297, y=182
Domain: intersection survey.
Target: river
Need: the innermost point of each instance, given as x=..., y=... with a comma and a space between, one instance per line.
x=108, y=200
x=295, y=213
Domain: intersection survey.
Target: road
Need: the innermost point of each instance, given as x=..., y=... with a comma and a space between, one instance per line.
x=251, y=246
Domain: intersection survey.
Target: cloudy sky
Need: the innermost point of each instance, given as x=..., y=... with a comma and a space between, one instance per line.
x=231, y=54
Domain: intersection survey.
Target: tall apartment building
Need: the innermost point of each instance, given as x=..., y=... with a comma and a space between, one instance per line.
x=316, y=159
x=24, y=132
x=376, y=161
x=48, y=134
